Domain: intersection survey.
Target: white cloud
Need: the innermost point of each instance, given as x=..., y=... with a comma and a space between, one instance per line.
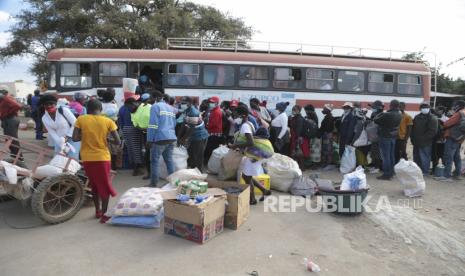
x=4, y=16
x=4, y=38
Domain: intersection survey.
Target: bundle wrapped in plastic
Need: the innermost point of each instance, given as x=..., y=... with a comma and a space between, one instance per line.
x=282, y=171
x=354, y=181
x=262, y=148
x=138, y=221
x=142, y=201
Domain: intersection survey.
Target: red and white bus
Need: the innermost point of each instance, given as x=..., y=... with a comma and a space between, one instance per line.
x=230, y=74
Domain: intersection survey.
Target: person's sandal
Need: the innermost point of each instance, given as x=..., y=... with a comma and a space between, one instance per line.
x=104, y=219
x=98, y=214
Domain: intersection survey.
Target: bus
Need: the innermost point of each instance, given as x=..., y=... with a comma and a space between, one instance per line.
x=243, y=73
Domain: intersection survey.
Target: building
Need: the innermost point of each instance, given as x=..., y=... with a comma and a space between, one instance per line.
x=19, y=89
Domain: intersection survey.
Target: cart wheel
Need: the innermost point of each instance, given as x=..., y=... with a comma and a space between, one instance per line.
x=58, y=198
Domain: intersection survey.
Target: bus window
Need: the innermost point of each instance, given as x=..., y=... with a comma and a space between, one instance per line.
x=183, y=74
x=52, y=78
x=287, y=78
x=253, y=76
x=409, y=84
x=319, y=79
x=351, y=81
x=218, y=75
x=76, y=75
x=380, y=83
x=112, y=73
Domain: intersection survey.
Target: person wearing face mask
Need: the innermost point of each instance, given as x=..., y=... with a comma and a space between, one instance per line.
x=388, y=131
x=299, y=145
x=251, y=166
x=438, y=141
x=193, y=134
x=347, y=127
x=454, y=139
x=425, y=126
x=133, y=139
x=214, y=126
x=377, y=107
x=279, y=134
x=405, y=128
x=9, y=116
x=327, y=132
x=59, y=122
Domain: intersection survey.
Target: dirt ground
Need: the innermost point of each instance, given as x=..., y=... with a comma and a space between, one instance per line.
x=425, y=236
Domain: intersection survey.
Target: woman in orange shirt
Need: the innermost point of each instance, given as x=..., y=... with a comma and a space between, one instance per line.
x=92, y=130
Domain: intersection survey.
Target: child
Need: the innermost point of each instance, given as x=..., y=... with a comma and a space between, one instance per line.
x=251, y=167
x=92, y=130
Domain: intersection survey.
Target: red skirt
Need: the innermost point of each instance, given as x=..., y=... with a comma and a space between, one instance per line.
x=98, y=173
x=305, y=146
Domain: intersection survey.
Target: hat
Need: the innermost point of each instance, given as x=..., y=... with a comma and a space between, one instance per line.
x=424, y=104
x=214, y=99
x=145, y=97
x=234, y=103
x=282, y=105
x=376, y=104
x=349, y=104
x=329, y=106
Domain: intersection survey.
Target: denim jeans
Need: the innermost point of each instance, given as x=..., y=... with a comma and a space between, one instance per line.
x=165, y=150
x=387, y=148
x=422, y=156
x=452, y=154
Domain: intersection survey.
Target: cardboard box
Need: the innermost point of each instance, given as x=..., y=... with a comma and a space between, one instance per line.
x=198, y=223
x=263, y=179
x=238, y=208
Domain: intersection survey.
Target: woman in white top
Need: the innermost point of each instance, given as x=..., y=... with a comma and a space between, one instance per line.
x=251, y=167
x=279, y=134
x=59, y=122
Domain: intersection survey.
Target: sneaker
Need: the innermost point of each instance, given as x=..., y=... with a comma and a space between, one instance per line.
x=373, y=170
x=443, y=179
x=384, y=177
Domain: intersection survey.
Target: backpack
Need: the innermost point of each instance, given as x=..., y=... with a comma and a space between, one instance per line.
x=309, y=129
x=60, y=110
x=457, y=132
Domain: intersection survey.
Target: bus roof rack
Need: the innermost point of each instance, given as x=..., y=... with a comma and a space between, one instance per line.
x=233, y=45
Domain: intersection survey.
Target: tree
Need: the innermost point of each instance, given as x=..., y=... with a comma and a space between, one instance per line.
x=124, y=24
x=445, y=83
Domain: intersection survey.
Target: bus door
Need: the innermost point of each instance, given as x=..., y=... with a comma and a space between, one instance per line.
x=149, y=74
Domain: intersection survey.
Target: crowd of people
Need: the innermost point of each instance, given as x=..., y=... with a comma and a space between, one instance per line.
x=153, y=124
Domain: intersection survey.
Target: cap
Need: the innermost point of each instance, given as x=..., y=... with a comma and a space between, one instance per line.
x=424, y=104
x=329, y=106
x=214, y=99
x=376, y=104
x=145, y=97
x=349, y=104
x=234, y=103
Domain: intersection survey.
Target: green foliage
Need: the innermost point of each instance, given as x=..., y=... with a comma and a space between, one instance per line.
x=123, y=24
x=445, y=83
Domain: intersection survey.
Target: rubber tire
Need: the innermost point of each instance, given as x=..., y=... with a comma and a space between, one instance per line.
x=41, y=191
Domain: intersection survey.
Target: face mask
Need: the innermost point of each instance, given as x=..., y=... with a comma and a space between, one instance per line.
x=183, y=107
x=212, y=105
x=424, y=110
x=51, y=109
x=238, y=121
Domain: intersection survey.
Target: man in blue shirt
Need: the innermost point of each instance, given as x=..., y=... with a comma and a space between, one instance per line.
x=193, y=134
x=36, y=114
x=161, y=135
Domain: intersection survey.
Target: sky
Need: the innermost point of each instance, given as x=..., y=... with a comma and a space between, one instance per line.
x=410, y=25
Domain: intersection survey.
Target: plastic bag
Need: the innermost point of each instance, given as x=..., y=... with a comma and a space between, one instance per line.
x=303, y=186
x=354, y=181
x=282, y=171
x=411, y=177
x=138, y=221
x=348, y=160
x=214, y=163
x=180, y=157
x=230, y=165
x=362, y=139
x=186, y=174
x=372, y=132
x=61, y=161
x=315, y=153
